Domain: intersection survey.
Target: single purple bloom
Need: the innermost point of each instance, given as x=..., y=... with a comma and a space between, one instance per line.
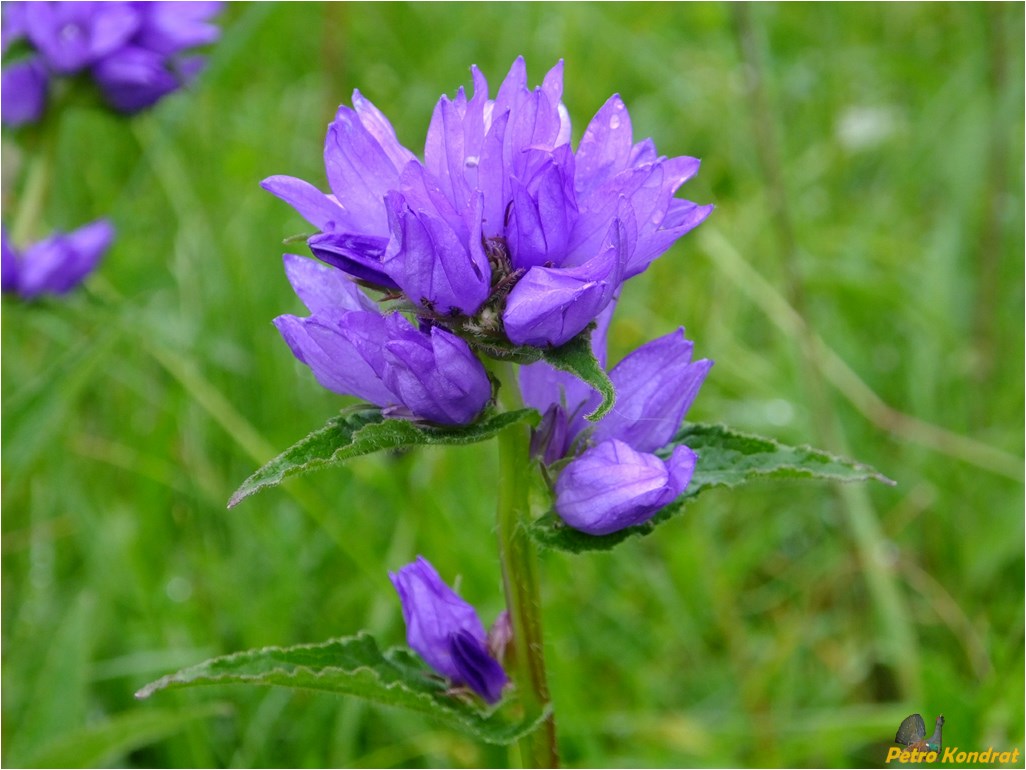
x=133, y=79
x=24, y=91
x=73, y=36
x=543, y=210
x=434, y=374
x=611, y=486
x=446, y=632
x=354, y=350
x=431, y=263
x=549, y=306
x=57, y=264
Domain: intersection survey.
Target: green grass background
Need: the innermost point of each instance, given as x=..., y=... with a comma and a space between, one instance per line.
x=860, y=286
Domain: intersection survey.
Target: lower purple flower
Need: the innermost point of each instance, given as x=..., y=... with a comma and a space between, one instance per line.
x=446, y=632
x=57, y=264
x=618, y=482
x=354, y=350
x=612, y=486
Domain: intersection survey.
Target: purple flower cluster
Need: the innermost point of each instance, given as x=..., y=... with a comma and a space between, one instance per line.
x=56, y=264
x=446, y=632
x=503, y=236
x=132, y=50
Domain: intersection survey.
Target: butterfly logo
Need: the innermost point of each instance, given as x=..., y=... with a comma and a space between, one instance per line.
x=912, y=733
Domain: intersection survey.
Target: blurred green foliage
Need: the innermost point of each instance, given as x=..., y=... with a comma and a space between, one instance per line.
x=866, y=162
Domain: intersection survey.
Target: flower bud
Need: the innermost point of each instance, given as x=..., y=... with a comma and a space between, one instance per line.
x=445, y=630
x=612, y=486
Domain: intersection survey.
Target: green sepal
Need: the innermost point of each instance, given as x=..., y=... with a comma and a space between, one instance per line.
x=356, y=666
x=363, y=430
x=576, y=357
x=726, y=458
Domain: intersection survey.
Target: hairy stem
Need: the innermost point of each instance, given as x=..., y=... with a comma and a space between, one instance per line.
x=520, y=576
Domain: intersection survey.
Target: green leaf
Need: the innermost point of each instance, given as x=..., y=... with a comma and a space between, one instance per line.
x=356, y=666
x=364, y=430
x=100, y=744
x=577, y=358
x=726, y=458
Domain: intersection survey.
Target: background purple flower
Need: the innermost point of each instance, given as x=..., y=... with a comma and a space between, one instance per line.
x=57, y=264
x=131, y=50
x=445, y=630
x=23, y=92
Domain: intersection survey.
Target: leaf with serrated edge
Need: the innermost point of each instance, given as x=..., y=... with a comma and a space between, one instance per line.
x=726, y=458
x=576, y=357
x=362, y=431
x=355, y=666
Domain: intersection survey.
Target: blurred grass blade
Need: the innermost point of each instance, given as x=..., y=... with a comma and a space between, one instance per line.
x=99, y=745
x=362, y=431
x=355, y=666
x=726, y=458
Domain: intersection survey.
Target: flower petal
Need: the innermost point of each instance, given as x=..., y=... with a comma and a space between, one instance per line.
x=343, y=349
x=655, y=387
x=61, y=262
x=476, y=668
x=322, y=288
x=134, y=78
x=353, y=253
x=606, y=146
x=360, y=171
x=317, y=208
x=430, y=263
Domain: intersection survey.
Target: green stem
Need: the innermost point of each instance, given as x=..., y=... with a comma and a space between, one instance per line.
x=520, y=576
x=33, y=198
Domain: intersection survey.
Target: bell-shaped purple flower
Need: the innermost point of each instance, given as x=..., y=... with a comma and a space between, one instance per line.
x=354, y=350
x=23, y=92
x=543, y=210
x=430, y=261
x=73, y=36
x=57, y=264
x=655, y=387
x=446, y=632
x=612, y=486
x=434, y=374
x=134, y=78
x=549, y=306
